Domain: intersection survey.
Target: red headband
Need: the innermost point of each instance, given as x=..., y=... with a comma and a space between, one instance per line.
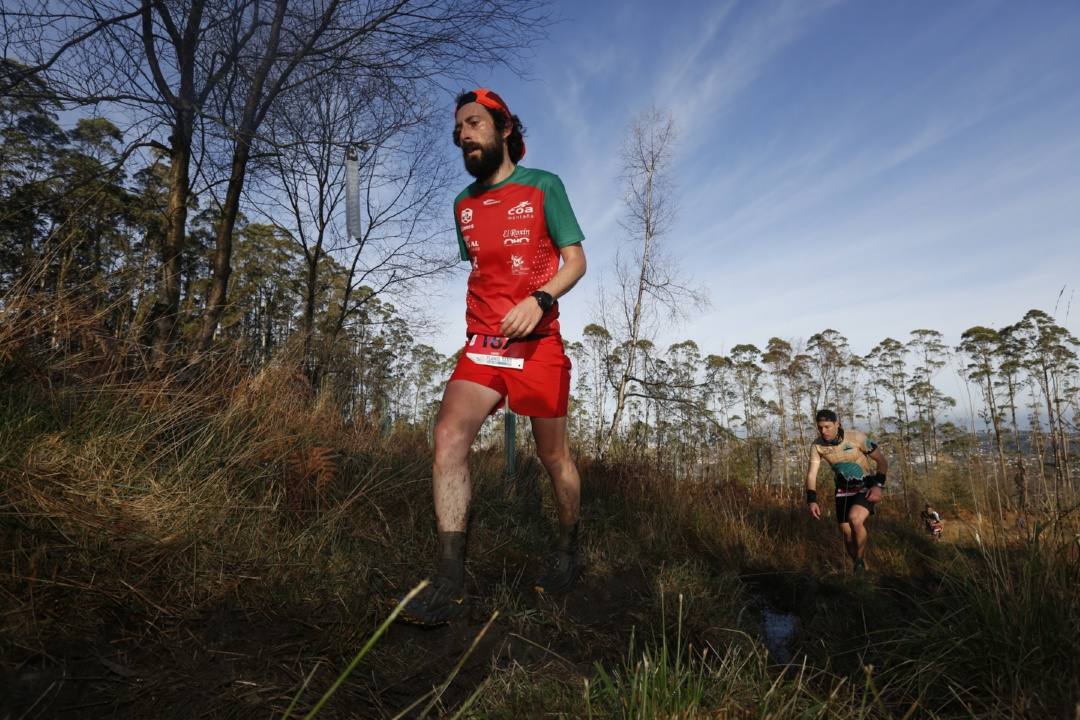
x=491, y=100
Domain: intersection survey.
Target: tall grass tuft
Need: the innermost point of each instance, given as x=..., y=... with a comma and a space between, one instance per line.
x=666, y=680
x=1000, y=634
x=670, y=679
x=174, y=493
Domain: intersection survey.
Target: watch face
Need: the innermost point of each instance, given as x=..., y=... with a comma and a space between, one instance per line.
x=544, y=300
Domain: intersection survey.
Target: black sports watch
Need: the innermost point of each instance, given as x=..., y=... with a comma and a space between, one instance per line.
x=543, y=299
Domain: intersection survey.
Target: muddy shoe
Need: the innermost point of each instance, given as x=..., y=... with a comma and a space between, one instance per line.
x=442, y=601
x=860, y=566
x=561, y=571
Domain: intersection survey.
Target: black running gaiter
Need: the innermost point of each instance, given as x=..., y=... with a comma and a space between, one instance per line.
x=452, y=556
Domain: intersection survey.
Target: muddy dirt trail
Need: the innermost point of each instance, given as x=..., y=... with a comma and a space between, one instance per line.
x=239, y=662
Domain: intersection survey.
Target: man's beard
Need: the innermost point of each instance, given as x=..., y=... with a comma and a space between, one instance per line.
x=486, y=163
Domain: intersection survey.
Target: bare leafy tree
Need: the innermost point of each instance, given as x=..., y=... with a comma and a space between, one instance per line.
x=300, y=186
x=396, y=249
x=647, y=282
x=357, y=40
x=158, y=61
x=208, y=74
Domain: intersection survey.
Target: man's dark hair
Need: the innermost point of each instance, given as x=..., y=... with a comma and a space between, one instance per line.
x=515, y=143
x=826, y=415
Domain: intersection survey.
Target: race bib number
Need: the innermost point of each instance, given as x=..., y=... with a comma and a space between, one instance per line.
x=493, y=351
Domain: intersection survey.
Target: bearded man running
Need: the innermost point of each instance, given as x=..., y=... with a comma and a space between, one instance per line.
x=517, y=229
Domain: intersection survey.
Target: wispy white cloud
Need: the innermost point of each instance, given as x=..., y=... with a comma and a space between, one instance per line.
x=727, y=57
x=935, y=151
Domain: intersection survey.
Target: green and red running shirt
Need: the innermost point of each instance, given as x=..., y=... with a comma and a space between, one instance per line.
x=511, y=232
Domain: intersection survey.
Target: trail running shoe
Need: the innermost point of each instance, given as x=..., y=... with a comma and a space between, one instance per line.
x=561, y=571
x=860, y=566
x=442, y=601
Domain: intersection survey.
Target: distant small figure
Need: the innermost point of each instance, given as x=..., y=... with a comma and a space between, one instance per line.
x=932, y=522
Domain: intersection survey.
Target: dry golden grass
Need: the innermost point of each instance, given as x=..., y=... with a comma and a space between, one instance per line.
x=218, y=538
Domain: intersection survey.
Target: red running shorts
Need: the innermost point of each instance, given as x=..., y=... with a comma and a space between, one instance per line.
x=532, y=374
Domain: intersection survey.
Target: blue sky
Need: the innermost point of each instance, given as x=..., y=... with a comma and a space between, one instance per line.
x=871, y=167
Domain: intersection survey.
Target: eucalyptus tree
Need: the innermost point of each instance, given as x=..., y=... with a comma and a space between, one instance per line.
x=597, y=345
x=930, y=353
x=847, y=386
x=777, y=358
x=91, y=210
x=580, y=411
x=371, y=367
x=800, y=382
x=872, y=398
x=888, y=363
x=264, y=291
x=830, y=354
x=748, y=377
x=720, y=391
x=980, y=344
x=426, y=380
x=683, y=391
x=1010, y=365
x=1050, y=349
x=30, y=140
x=1034, y=407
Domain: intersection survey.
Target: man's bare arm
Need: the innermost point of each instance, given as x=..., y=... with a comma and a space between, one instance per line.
x=879, y=458
x=811, y=483
x=525, y=316
x=812, y=471
x=572, y=270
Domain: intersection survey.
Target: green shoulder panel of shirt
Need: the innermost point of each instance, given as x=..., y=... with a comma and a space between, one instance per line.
x=463, y=251
x=561, y=222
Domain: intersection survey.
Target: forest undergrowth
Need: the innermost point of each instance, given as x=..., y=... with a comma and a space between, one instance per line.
x=220, y=542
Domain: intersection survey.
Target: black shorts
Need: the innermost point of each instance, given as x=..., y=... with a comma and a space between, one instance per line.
x=844, y=503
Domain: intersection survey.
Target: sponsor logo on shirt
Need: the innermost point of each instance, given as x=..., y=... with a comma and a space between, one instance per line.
x=522, y=210
x=466, y=216
x=492, y=201
x=516, y=236
x=518, y=266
